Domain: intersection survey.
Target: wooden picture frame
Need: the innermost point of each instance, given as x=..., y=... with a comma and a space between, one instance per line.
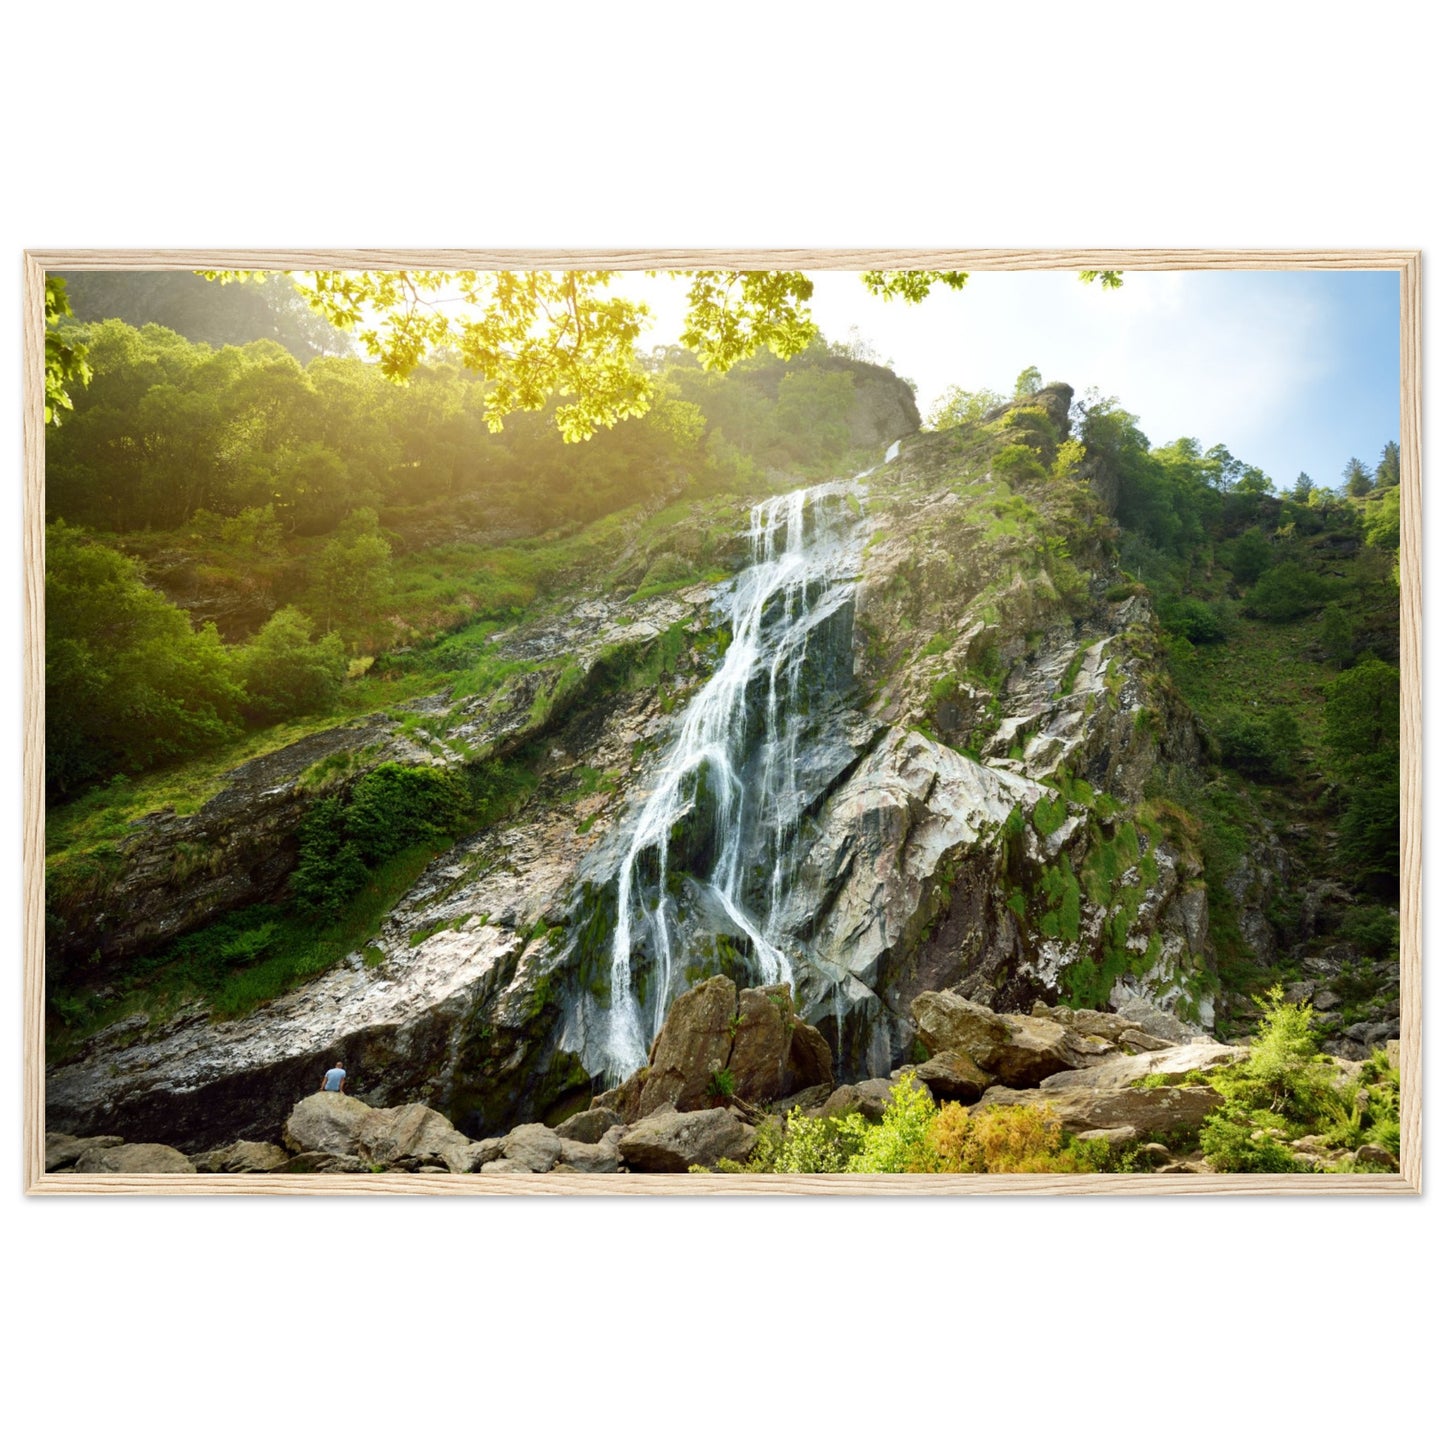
x=1406, y=263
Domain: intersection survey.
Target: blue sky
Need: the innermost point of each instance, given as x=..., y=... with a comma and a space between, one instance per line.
x=1292, y=370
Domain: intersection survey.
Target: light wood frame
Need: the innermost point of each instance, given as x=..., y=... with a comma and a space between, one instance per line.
x=1407, y=1182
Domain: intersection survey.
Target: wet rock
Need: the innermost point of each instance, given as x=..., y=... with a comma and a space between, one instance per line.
x=692, y=1048
x=134, y=1159
x=672, y=1142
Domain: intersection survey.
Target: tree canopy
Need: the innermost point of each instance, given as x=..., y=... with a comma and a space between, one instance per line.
x=539, y=335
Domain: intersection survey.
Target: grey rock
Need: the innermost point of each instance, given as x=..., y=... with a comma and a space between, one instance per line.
x=671, y=1142
x=405, y=1137
x=1141, y=1042
x=1151, y=1020
x=602, y=1157
x=1123, y=1070
x=953, y=1075
x=134, y=1159
x=534, y=1146
x=1115, y=1138
x=1019, y=1050
x=62, y=1150
x=245, y=1157
x=869, y=1097
x=1375, y=1155
x=319, y=1161
x=505, y=1166
x=589, y=1126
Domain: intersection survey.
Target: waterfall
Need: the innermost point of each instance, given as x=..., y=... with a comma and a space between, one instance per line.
x=736, y=753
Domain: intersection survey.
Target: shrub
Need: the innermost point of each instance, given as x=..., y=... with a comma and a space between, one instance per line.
x=1005, y=1140
x=722, y=1084
x=801, y=1145
x=899, y=1144
x=1285, y=1071
x=285, y=673
x=1190, y=618
x=394, y=806
x=1265, y=746
x=1236, y=1144
x=1288, y=591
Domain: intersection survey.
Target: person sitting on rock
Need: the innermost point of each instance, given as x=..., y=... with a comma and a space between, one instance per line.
x=334, y=1080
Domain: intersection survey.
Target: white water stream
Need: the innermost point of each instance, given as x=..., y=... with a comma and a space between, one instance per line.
x=802, y=567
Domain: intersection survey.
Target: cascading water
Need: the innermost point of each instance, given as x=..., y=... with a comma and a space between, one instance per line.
x=736, y=754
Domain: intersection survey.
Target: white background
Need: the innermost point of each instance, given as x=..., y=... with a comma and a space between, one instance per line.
x=747, y=124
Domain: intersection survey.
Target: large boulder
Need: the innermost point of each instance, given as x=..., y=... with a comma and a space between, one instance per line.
x=244, y=1157
x=672, y=1142
x=407, y=1137
x=1018, y=1049
x=62, y=1150
x=762, y=1035
x=134, y=1159
x=720, y=1042
x=415, y=1136
x=602, y=1157
x=589, y=1126
x=869, y=1097
x=319, y=1161
x=1111, y=1094
x=325, y=1123
x=953, y=1075
x=533, y=1147
x=691, y=1049
x=1163, y=1066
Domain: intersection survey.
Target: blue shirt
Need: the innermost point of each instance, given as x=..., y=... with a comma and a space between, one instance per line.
x=332, y=1082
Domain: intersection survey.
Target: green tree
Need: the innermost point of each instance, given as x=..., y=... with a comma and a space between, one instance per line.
x=1303, y=486
x=1336, y=635
x=1387, y=473
x=957, y=407
x=1362, y=718
x=129, y=683
x=1250, y=556
x=1382, y=519
x=352, y=572
x=65, y=356
x=537, y=335
x=285, y=673
x=1028, y=382
x=1357, y=479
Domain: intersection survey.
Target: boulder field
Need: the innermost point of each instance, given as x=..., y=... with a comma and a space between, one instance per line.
x=726, y=1058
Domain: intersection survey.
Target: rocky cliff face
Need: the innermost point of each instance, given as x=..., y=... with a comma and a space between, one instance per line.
x=970, y=720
